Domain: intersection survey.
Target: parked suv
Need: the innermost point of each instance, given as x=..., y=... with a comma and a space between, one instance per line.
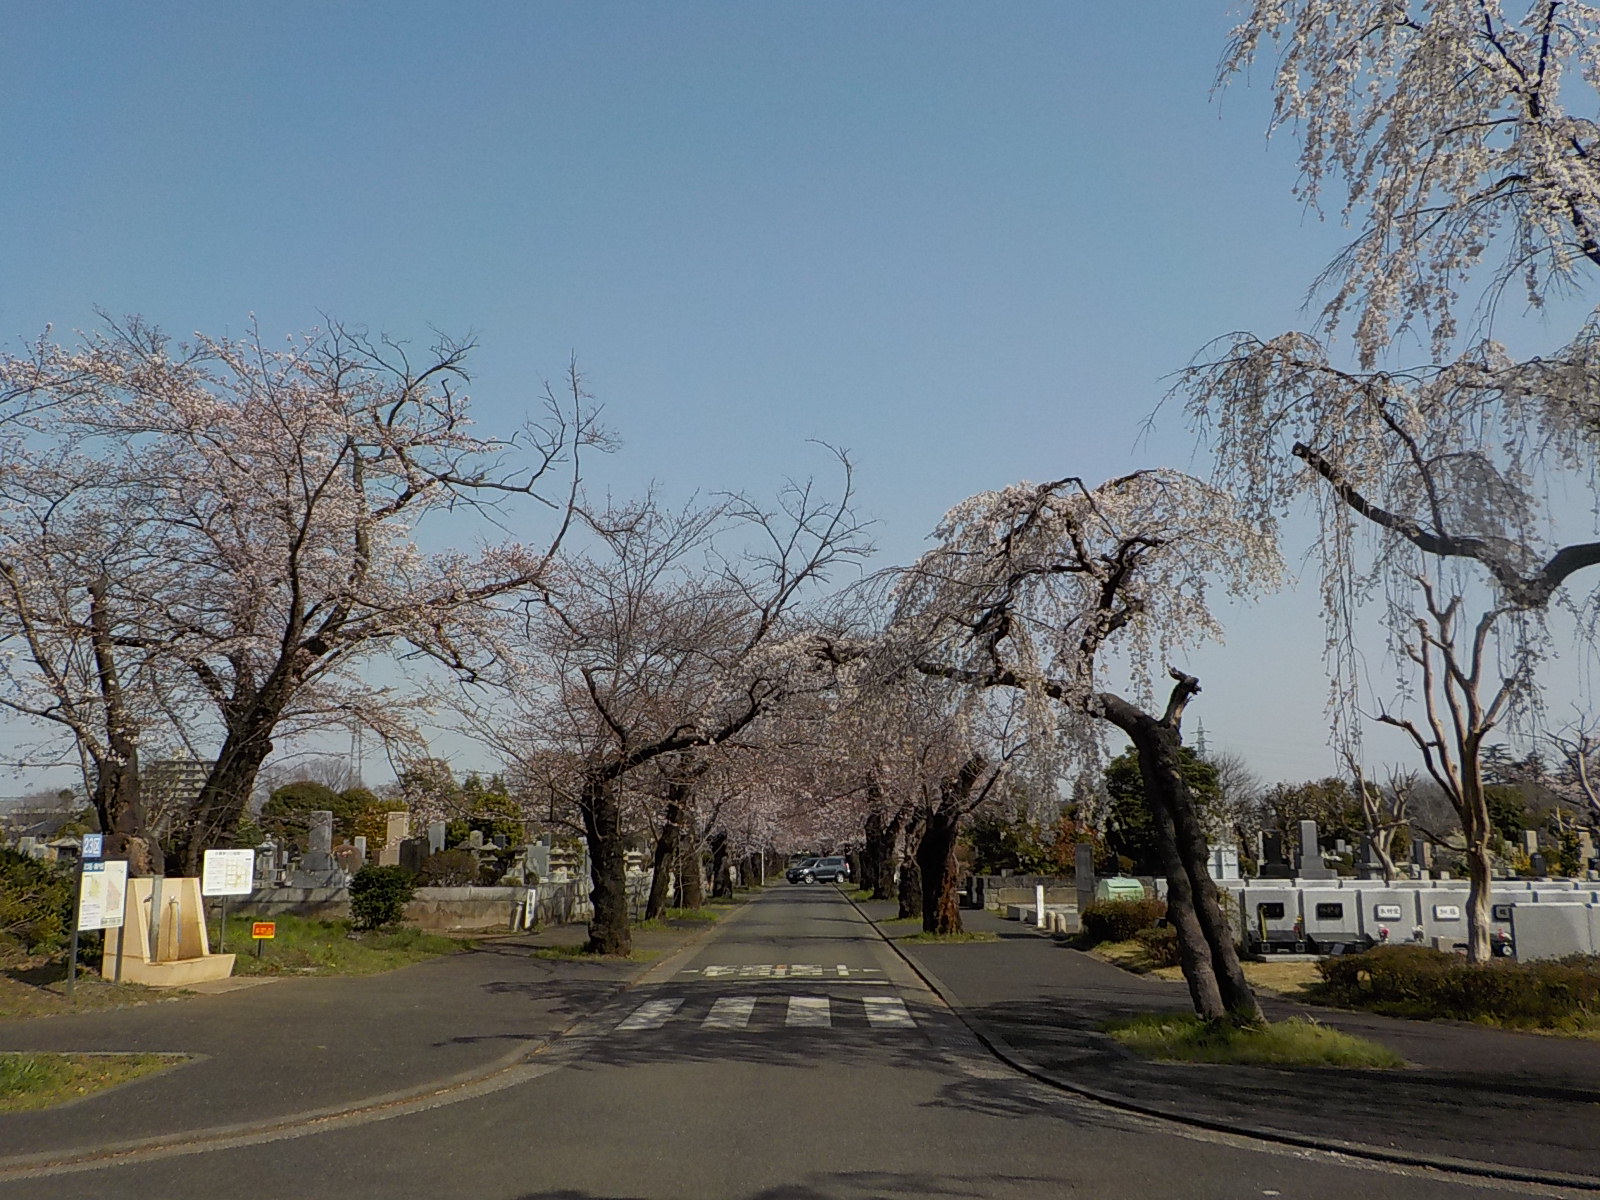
x=819, y=870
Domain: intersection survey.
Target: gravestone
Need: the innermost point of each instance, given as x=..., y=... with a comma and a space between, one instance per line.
x=1585, y=849
x=1311, y=865
x=1274, y=864
x=361, y=851
x=412, y=851
x=28, y=847
x=317, y=868
x=1369, y=865
x=1540, y=868
x=1530, y=842
x=266, y=873
x=396, y=826
x=1083, y=870
x=1421, y=855
x=499, y=841
x=1224, y=862
x=435, y=836
x=475, y=840
x=536, y=861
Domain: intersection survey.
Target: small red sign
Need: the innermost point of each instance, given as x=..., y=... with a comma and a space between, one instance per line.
x=262, y=930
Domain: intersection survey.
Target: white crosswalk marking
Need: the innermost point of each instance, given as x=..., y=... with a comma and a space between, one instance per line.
x=887, y=1012
x=653, y=1014
x=802, y=1012
x=809, y=1011
x=730, y=1012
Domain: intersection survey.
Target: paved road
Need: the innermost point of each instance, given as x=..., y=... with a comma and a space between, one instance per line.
x=790, y=1056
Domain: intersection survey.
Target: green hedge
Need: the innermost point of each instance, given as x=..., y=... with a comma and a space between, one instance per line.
x=1120, y=920
x=1415, y=981
x=379, y=895
x=35, y=903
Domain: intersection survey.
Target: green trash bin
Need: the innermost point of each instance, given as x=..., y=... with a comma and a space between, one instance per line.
x=1119, y=887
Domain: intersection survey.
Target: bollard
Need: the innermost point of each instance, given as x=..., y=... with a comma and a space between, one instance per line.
x=1038, y=901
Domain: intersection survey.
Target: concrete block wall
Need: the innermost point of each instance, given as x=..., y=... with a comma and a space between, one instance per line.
x=1544, y=931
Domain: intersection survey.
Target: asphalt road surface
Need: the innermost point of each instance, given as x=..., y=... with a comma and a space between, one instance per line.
x=790, y=1056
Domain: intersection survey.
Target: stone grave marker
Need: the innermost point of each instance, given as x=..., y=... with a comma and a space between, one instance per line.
x=317, y=868
x=1274, y=863
x=1311, y=864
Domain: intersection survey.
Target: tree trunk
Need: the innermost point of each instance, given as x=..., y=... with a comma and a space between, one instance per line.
x=877, y=855
x=1478, y=830
x=691, y=877
x=871, y=851
x=910, y=877
x=666, y=853
x=226, y=792
x=721, y=862
x=602, y=823
x=1210, y=958
x=117, y=800
x=936, y=864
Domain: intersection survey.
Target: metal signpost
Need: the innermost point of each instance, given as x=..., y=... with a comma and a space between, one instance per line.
x=263, y=932
x=227, y=873
x=99, y=897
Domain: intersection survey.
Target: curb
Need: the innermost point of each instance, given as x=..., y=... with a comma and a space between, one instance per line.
x=1015, y=1059
x=428, y=1094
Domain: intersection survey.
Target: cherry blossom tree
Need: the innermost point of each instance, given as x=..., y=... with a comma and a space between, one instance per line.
x=672, y=633
x=1041, y=588
x=278, y=494
x=1459, y=129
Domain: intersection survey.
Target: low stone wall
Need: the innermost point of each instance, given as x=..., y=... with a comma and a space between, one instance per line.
x=455, y=908
x=317, y=904
x=468, y=908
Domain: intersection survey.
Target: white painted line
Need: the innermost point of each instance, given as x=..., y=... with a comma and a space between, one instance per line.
x=653, y=1014
x=730, y=1012
x=810, y=1011
x=887, y=1012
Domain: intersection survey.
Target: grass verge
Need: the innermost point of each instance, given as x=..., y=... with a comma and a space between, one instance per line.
x=948, y=938
x=30, y=1081
x=675, y=918
x=307, y=947
x=575, y=952
x=1184, y=1037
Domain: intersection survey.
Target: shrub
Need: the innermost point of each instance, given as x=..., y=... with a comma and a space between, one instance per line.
x=449, y=868
x=1415, y=981
x=1120, y=920
x=378, y=896
x=1160, y=943
x=35, y=902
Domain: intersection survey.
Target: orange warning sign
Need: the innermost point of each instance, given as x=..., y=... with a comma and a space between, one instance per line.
x=261, y=930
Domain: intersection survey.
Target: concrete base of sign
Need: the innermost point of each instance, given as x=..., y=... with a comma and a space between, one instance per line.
x=179, y=953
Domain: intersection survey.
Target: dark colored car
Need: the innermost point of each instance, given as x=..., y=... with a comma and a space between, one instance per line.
x=800, y=872
x=819, y=870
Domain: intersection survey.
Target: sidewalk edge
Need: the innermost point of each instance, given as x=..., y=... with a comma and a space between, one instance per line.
x=1015, y=1059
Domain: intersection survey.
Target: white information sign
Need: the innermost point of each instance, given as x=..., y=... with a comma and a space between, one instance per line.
x=228, y=873
x=105, y=887
x=1447, y=912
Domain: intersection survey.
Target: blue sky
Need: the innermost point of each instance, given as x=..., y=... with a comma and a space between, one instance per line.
x=969, y=242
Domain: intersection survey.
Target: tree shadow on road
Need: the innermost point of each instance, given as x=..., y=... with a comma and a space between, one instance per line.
x=861, y=1185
